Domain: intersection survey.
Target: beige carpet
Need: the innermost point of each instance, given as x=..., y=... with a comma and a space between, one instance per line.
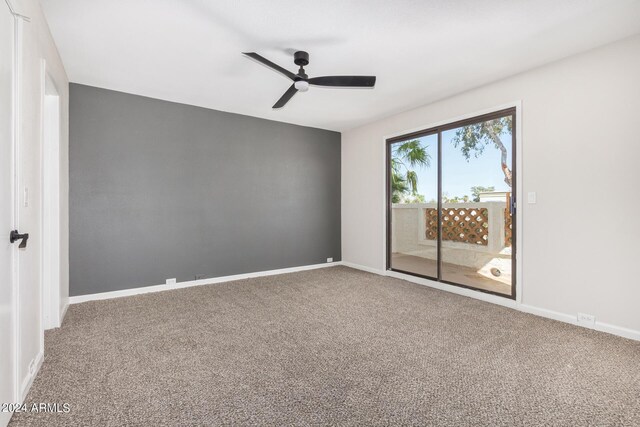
x=333, y=346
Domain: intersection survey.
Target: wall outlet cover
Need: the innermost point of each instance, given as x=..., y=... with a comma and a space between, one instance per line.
x=171, y=281
x=200, y=276
x=329, y=259
x=586, y=319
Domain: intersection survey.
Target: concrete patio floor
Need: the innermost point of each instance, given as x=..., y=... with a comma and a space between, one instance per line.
x=450, y=272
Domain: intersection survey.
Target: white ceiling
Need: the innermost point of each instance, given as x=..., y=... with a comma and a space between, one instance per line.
x=189, y=51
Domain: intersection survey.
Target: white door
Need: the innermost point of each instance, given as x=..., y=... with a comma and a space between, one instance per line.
x=8, y=371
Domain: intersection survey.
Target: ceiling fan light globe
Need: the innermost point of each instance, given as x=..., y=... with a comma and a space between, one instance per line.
x=302, y=85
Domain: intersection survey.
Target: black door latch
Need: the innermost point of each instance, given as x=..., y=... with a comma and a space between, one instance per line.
x=14, y=235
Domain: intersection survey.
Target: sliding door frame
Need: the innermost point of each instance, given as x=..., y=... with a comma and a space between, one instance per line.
x=438, y=130
x=388, y=144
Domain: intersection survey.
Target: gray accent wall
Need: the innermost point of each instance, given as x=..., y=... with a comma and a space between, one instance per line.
x=163, y=190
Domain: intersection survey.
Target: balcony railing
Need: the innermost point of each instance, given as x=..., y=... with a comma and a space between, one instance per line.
x=472, y=232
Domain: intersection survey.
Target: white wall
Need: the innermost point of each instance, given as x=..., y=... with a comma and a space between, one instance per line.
x=37, y=44
x=581, y=148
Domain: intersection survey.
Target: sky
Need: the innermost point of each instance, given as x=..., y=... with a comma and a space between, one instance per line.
x=458, y=174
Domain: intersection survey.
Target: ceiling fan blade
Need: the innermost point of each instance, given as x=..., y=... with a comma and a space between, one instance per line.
x=270, y=64
x=345, y=81
x=286, y=97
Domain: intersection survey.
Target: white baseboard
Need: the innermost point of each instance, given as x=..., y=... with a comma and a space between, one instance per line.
x=63, y=312
x=28, y=380
x=50, y=324
x=159, y=288
x=617, y=330
x=549, y=314
x=542, y=312
x=363, y=268
x=567, y=318
x=494, y=299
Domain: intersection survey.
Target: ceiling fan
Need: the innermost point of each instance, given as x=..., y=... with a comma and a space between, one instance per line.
x=301, y=81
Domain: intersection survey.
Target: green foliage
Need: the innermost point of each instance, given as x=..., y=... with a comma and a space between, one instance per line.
x=456, y=199
x=475, y=191
x=472, y=141
x=417, y=198
x=404, y=158
x=474, y=138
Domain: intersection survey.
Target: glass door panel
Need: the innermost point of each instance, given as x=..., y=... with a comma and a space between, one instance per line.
x=476, y=190
x=413, y=190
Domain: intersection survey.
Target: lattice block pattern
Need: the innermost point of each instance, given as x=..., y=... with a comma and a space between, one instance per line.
x=431, y=218
x=466, y=225
x=508, y=227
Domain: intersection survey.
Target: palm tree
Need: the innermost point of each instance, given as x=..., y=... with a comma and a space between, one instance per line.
x=404, y=158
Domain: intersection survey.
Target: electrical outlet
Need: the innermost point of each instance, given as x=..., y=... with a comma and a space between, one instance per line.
x=588, y=320
x=200, y=276
x=171, y=281
x=329, y=259
x=32, y=367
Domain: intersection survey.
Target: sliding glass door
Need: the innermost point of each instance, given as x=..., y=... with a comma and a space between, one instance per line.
x=451, y=201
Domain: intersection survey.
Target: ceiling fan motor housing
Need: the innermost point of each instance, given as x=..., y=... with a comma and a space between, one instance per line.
x=301, y=80
x=301, y=58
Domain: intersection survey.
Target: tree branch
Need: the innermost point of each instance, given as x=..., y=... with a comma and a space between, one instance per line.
x=503, y=152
